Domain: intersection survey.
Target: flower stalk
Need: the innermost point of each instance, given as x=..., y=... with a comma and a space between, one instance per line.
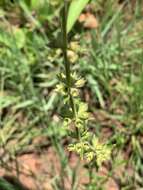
x=75, y=112
x=65, y=55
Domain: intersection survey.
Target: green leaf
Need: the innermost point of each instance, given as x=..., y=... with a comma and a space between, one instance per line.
x=5, y=38
x=5, y=185
x=19, y=37
x=37, y=4
x=75, y=9
x=24, y=104
x=6, y=101
x=95, y=87
x=66, y=112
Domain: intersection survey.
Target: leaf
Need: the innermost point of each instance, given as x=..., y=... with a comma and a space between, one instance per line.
x=5, y=185
x=6, y=101
x=37, y=4
x=24, y=104
x=66, y=112
x=75, y=9
x=27, y=12
x=19, y=37
x=95, y=87
x=5, y=38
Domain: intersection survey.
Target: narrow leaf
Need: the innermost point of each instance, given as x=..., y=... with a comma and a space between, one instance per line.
x=75, y=9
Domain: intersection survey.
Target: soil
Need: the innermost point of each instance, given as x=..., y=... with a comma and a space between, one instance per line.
x=38, y=171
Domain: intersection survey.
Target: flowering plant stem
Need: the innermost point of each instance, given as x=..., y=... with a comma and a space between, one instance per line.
x=66, y=61
x=75, y=112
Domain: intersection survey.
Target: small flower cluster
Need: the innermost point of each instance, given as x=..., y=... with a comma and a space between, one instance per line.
x=84, y=143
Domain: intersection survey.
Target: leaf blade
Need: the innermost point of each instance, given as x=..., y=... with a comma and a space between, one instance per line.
x=75, y=9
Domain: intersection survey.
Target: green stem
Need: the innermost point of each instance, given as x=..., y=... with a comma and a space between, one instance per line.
x=66, y=61
x=65, y=43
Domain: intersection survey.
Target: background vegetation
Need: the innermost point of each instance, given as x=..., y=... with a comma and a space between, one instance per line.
x=109, y=56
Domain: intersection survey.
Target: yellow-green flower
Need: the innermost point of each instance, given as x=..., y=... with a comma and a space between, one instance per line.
x=90, y=156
